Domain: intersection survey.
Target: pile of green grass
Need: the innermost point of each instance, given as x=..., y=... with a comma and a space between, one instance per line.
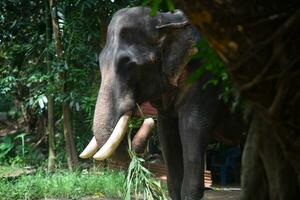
x=140, y=182
x=63, y=184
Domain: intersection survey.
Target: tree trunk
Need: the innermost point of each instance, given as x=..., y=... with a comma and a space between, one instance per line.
x=55, y=27
x=51, y=134
x=265, y=164
x=50, y=107
x=259, y=41
x=69, y=139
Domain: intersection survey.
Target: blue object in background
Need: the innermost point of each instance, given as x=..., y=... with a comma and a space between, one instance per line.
x=223, y=162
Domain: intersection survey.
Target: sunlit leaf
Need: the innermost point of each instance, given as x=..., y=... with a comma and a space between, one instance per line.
x=41, y=103
x=45, y=99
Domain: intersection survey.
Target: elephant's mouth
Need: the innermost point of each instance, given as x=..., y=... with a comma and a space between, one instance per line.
x=116, y=137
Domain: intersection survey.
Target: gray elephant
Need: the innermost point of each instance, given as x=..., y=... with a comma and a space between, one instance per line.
x=148, y=58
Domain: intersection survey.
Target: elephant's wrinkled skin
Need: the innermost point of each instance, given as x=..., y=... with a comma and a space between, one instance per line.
x=146, y=58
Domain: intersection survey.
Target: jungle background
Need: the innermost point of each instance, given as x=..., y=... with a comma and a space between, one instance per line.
x=49, y=80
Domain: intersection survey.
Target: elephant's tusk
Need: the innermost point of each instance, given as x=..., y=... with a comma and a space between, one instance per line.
x=140, y=139
x=114, y=140
x=90, y=149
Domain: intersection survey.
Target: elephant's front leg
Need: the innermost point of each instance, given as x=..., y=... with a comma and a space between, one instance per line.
x=194, y=139
x=171, y=147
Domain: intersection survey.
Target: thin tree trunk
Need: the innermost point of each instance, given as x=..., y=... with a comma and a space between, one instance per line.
x=69, y=140
x=50, y=109
x=57, y=36
x=51, y=134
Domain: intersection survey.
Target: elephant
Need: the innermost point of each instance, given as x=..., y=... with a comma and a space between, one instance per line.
x=149, y=58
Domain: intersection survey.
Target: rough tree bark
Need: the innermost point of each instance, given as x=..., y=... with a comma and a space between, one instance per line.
x=51, y=134
x=67, y=113
x=259, y=41
x=69, y=139
x=50, y=107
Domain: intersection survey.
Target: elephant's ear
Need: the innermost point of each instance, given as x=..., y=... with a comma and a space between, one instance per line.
x=178, y=43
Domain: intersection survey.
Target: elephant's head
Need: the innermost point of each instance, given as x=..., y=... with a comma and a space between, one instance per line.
x=144, y=55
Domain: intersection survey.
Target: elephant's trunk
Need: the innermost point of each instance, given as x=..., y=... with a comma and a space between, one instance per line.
x=105, y=114
x=115, y=138
x=109, y=127
x=111, y=118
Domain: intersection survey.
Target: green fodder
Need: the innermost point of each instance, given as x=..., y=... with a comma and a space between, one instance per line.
x=63, y=185
x=140, y=182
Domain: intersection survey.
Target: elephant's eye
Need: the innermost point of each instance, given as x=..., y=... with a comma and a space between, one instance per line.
x=126, y=65
x=124, y=60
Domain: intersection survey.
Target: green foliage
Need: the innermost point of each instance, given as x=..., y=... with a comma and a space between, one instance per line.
x=156, y=5
x=14, y=150
x=212, y=63
x=30, y=71
x=6, y=146
x=62, y=184
x=135, y=123
x=140, y=182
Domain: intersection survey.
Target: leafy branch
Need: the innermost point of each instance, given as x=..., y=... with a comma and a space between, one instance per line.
x=140, y=181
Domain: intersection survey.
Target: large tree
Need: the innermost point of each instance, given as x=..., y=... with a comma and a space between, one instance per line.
x=259, y=41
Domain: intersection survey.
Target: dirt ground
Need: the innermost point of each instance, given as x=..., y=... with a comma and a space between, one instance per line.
x=209, y=195
x=222, y=195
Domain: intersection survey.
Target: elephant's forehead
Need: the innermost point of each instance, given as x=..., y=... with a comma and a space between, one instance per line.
x=131, y=31
x=137, y=17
